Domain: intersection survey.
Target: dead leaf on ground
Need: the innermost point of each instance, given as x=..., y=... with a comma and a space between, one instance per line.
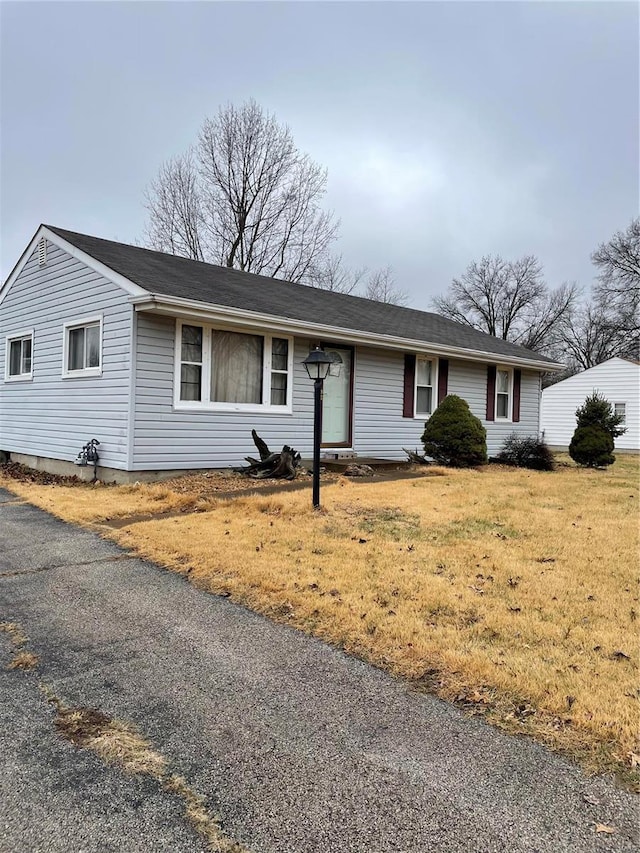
x=603, y=828
x=589, y=798
x=620, y=655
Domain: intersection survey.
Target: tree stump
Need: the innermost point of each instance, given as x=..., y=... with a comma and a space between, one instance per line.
x=280, y=466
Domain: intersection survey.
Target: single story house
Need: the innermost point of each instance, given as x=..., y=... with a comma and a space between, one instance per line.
x=170, y=363
x=618, y=380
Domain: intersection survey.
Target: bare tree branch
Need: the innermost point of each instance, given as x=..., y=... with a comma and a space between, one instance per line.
x=617, y=294
x=596, y=333
x=381, y=287
x=332, y=274
x=174, y=205
x=618, y=264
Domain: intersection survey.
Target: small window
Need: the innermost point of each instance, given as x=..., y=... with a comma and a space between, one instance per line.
x=191, y=363
x=425, y=375
x=620, y=409
x=279, y=371
x=503, y=393
x=19, y=357
x=82, y=348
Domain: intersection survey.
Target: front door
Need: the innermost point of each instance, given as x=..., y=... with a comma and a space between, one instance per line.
x=336, y=402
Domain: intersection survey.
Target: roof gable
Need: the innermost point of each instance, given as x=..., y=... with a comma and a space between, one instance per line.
x=75, y=251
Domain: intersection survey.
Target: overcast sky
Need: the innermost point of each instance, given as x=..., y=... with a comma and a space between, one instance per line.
x=450, y=130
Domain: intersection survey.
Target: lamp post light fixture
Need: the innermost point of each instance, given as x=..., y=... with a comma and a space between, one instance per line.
x=317, y=365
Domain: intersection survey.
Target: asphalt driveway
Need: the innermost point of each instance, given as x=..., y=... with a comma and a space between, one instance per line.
x=296, y=746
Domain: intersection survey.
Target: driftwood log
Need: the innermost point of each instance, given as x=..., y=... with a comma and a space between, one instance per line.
x=281, y=465
x=415, y=457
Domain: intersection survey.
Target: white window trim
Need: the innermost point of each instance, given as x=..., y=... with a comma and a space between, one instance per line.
x=206, y=405
x=66, y=328
x=496, y=417
x=435, y=366
x=18, y=336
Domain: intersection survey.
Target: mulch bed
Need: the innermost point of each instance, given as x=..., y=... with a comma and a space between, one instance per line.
x=209, y=484
x=29, y=475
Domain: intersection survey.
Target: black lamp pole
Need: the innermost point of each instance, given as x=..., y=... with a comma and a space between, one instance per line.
x=317, y=365
x=317, y=431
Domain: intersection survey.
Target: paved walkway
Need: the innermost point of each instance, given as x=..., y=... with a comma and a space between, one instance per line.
x=296, y=746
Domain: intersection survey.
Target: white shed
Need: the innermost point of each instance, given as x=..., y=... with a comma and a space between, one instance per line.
x=617, y=379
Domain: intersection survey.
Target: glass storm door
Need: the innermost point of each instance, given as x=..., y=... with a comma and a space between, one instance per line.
x=336, y=403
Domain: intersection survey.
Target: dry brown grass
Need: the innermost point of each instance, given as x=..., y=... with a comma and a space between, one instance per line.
x=23, y=660
x=114, y=741
x=83, y=502
x=14, y=632
x=513, y=592
x=120, y=743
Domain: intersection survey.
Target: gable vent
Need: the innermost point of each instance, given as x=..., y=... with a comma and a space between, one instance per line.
x=42, y=252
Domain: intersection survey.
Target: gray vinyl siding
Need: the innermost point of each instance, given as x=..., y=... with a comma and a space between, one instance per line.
x=379, y=428
x=50, y=416
x=468, y=379
x=165, y=438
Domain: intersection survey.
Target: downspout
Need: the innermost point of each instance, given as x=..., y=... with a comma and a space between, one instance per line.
x=131, y=407
x=540, y=433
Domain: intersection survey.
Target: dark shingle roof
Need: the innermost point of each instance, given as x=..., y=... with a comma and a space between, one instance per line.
x=170, y=275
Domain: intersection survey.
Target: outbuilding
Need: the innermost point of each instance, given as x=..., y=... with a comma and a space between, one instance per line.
x=618, y=380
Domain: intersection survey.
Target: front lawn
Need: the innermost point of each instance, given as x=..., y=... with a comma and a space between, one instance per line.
x=514, y=593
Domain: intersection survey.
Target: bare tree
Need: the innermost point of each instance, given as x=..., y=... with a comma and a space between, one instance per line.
x=245, y=197
x=618, y=264
x=596, y=332
x=381, y=287
x=510, y=300
x=617, y=293
x=589, y=338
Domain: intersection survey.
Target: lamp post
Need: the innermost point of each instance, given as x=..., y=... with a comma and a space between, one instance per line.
x=317, y=365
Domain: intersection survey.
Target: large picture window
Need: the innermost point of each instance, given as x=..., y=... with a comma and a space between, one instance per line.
x=220, y=369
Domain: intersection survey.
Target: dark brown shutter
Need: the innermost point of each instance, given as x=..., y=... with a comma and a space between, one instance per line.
x=491, y=392
x=443, y=378
x=409, y=384
x=517, y=382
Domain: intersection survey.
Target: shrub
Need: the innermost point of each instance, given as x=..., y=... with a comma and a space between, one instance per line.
x=454, y=436
x=526, y=452
x=598, y=411
x=592, y=446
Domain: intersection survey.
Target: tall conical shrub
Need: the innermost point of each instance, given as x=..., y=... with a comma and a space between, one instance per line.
x=454, y=436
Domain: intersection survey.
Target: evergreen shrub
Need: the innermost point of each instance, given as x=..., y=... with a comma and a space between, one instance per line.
x=592, y=446
x=526, y=452
x=454, y=436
